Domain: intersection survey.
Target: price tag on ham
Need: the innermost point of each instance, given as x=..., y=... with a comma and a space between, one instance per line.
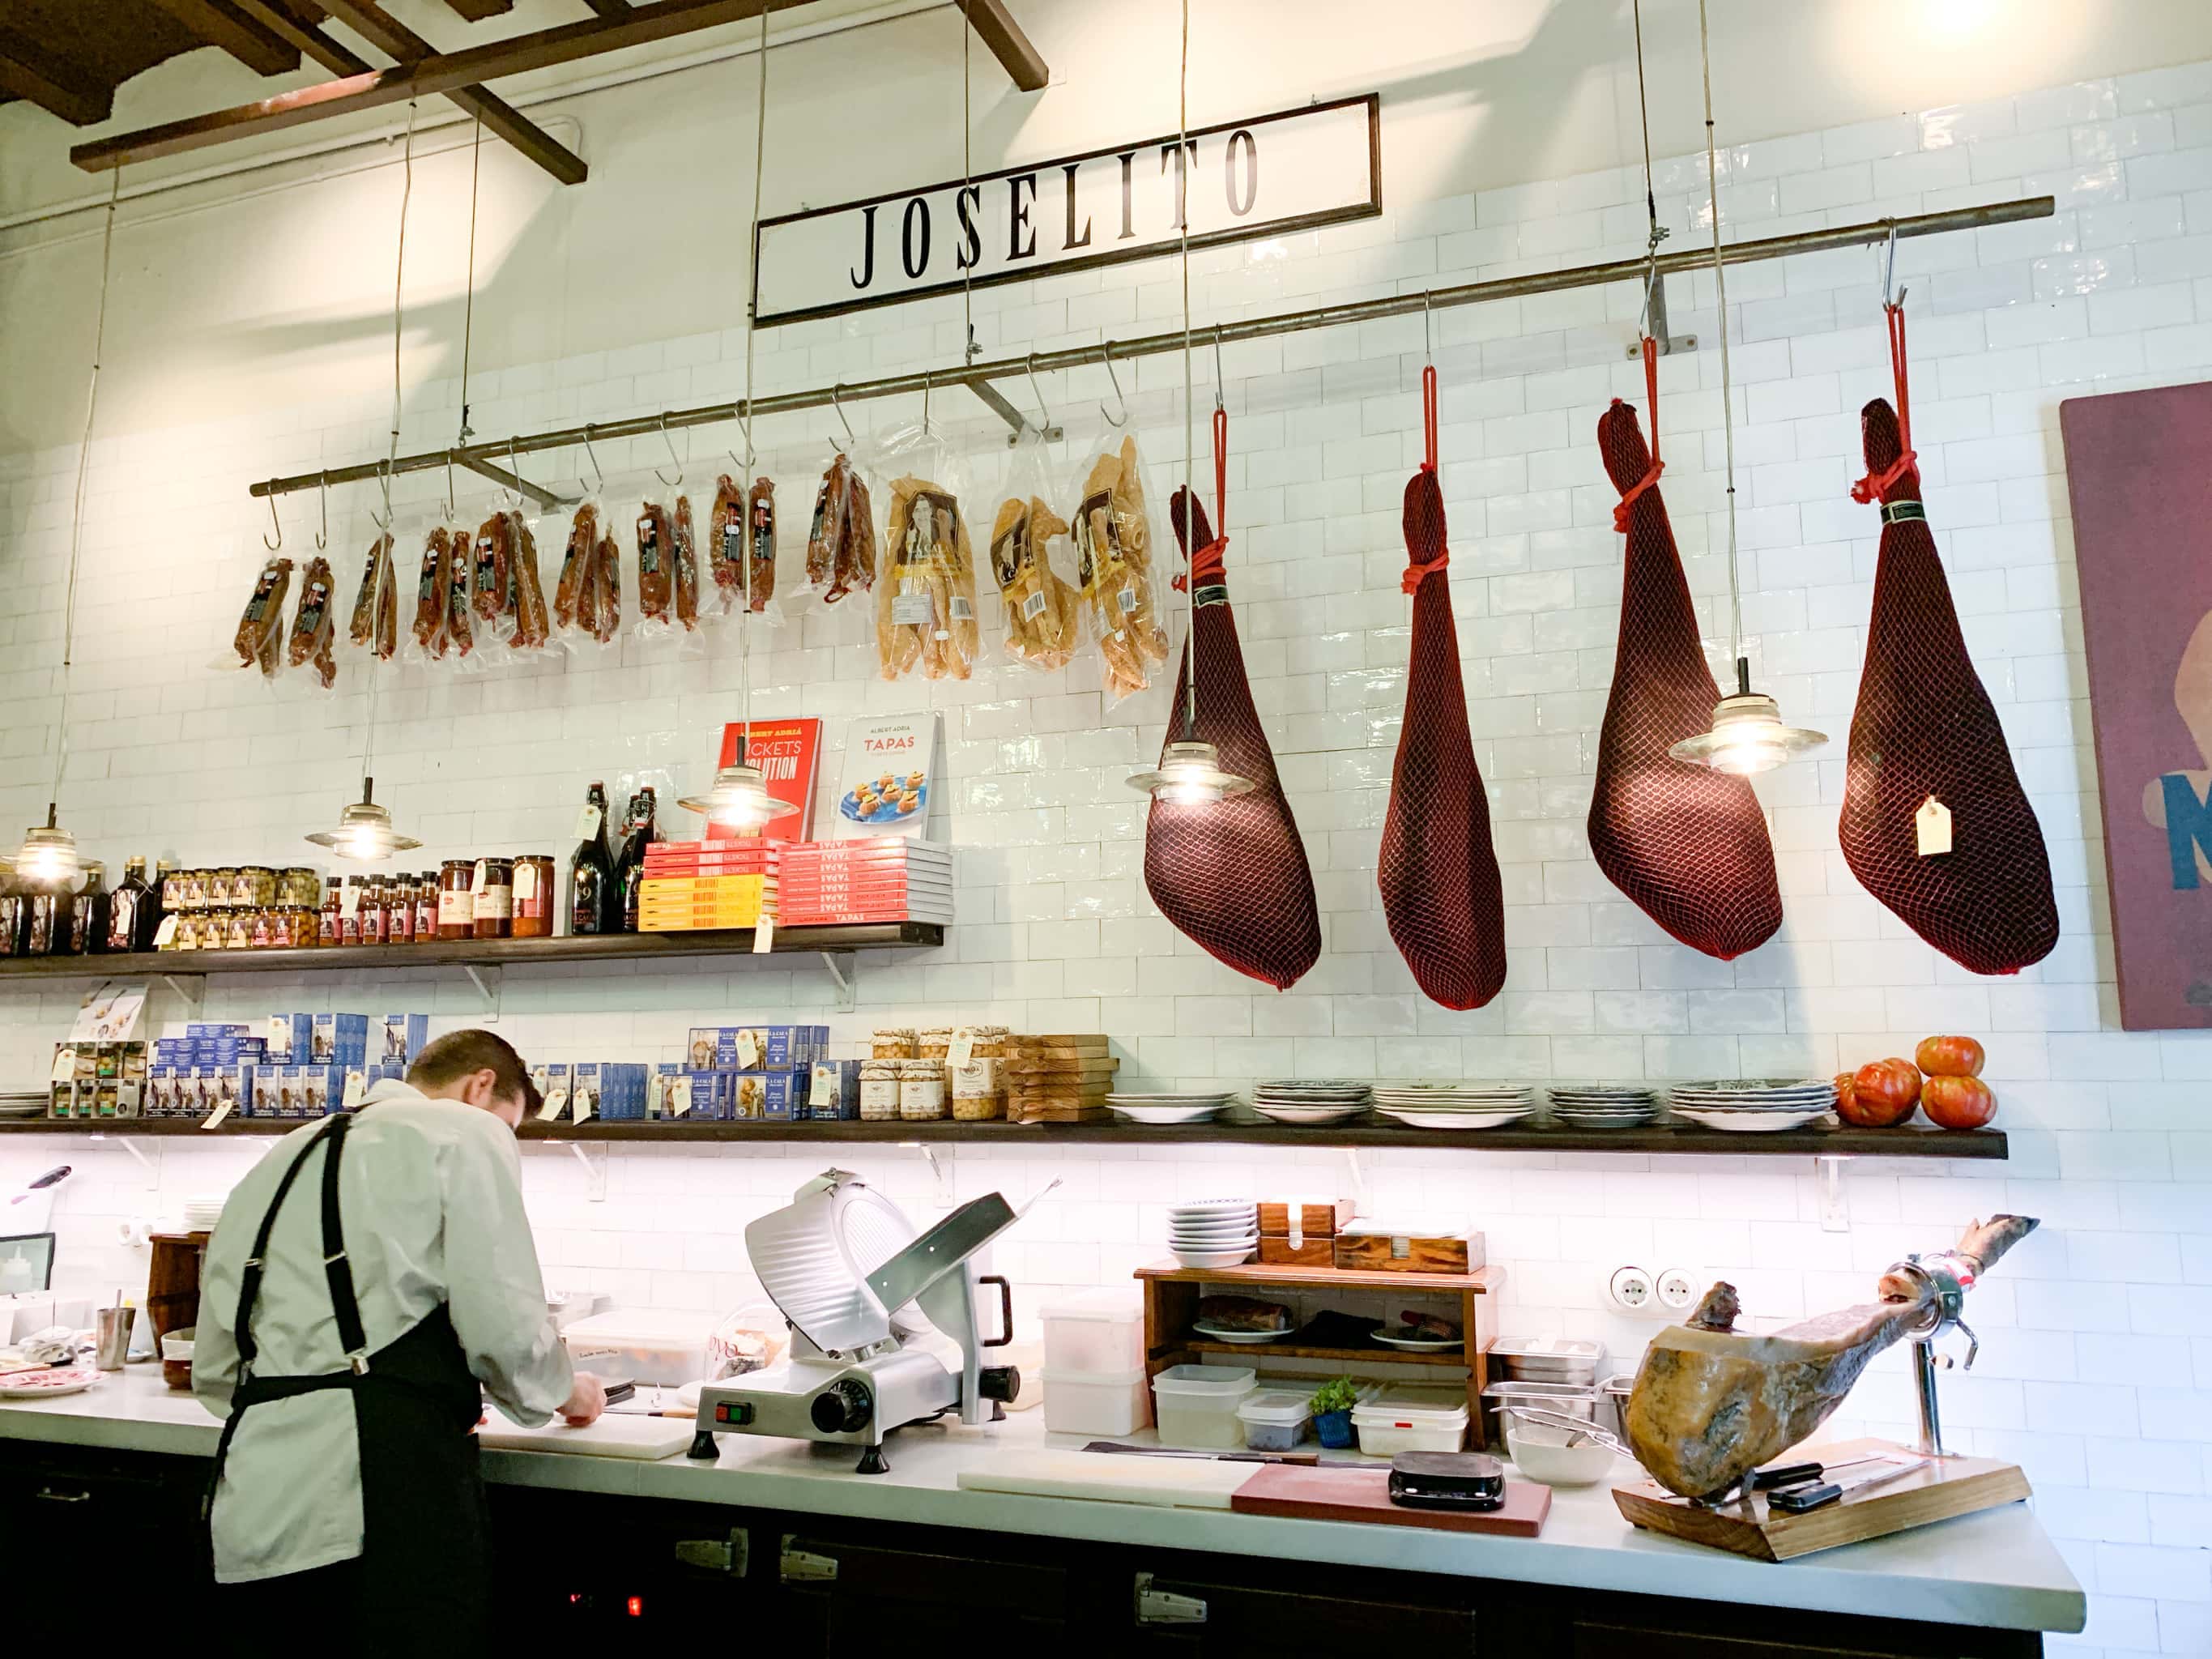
x=1931, y=827
x=222, y=1111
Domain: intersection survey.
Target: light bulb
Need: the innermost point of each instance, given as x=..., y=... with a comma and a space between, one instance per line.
x=364, y=831
x=738, y=799
x=1190, y=774
x=47, y=855
x=1747, y=736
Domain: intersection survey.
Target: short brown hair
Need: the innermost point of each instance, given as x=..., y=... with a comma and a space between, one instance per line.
x=462, y=1054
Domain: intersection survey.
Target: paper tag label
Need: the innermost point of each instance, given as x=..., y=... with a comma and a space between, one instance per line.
x=280, y=1032
x=356, y=1087
x=1931, y=824
x=583, y=1106
x=555, y=1100
x=912, y=610
x=679, y=1096
x=64, y=1066
x=963, y=1049
x=764, y=936
x=222, y=1111
x=166, y=934
x=588, y=822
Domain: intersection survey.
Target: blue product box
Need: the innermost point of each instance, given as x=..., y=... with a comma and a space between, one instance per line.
x=778, y=1096
x=339, y=1039
x=709, y=1090
x=404, y=1035
x=835, y=1090
x=751, y=1048
x=288, y=1038
x=623, y=1085
x=584, y=1078
x=232, y=1083
x=659, y=1085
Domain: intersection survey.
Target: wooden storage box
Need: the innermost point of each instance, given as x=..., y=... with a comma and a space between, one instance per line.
x=1318, y=1217
x=1308, y=1252
x=1370, y=1249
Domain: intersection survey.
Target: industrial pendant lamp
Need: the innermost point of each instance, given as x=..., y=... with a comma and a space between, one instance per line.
x=1190, y=773
x=1747, y=736
x=738, y=797
x=365, y=832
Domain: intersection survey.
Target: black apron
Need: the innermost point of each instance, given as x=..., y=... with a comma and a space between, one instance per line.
x=421, y=1583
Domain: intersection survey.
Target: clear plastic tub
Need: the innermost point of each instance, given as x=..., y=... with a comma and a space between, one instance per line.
x=1275, y=1419
x=657, y=1346
x=1405, y=1417
x=1197, y=1406
x=1098, y=1331
x=1091, y=1402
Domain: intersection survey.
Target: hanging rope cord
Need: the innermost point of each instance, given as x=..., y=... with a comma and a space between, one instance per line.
x=1656, y=235
x=1189, y=394
x=1720, y=284
x=1873, y=486
x=469, y=292
x=1417, y=573
x=398, y=293
x=752, y=328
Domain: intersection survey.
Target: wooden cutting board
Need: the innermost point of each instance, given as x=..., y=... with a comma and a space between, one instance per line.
x=1949, y=1486
x=1165, y=1482
x=1342, y=1494
x=648, y=1438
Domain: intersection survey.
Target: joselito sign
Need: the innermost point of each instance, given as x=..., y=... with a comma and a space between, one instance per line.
x=1242, y=180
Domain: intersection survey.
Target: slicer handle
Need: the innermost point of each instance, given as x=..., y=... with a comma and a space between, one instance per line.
x=1006, y=1310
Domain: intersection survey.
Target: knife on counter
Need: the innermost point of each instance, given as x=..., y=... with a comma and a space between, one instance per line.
x=1304, y=1460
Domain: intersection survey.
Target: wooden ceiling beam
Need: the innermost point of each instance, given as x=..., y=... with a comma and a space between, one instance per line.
x=219, y=23
x=279, y=20
x=995, y=28
x=474, y=11
x=29, y=72
x=609, y=8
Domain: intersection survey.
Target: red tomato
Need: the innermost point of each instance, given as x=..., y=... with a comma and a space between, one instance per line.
x=1883, y=1092
x=1950, y=1056
x=1958, y=1103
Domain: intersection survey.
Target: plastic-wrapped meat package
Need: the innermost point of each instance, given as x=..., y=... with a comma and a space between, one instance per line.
x=433, y=594
x=262, y=619
x=726, y=544
x=533, y=623
x=314, y=625
x=1688, y=843
x=1043, y=612
x=604, y=620
x=1113, y=565
x=460, y=627
x=687, y=565
x=760, y=543
x=376, y=606
x=494, y=597
x=656, y=568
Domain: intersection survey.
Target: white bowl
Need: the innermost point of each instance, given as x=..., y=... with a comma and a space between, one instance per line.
x=1214, y=1258
x=1169, y=1113
x=1540, y=1452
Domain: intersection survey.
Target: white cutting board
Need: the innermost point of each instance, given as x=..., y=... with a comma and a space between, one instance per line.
x=644, y=1437
x=1103, y=1477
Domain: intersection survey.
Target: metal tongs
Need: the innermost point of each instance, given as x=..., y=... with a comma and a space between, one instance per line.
x=1582, y=1428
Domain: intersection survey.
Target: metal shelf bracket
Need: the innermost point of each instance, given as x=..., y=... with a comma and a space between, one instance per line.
x=189, y=988
x=939, y=1159
x=149, y=1167
x=487, y=978
x=595, y=1169
x=843, y=967
x=1835, y=1203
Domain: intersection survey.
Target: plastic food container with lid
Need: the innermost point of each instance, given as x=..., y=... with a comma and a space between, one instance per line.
x=1548, y=1358
x=1096, y=1402
x=1093, y=1331
x=1197, y=1406
x=1275, y=1419
x=1408, y=1417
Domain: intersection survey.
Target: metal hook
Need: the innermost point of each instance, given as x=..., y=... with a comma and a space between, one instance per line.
x=323, y=492
x=277, y=546
x=672, y=482
x=514, y=467
x=927, y=377
x=1650, y=279
x=851, y=438
x=1106, y=357
x=1217, y=381
x=598, y=489
x=1889, y=273
x=383, y=525
x=453, y=508
x=1428, y=316
x=1044, y=415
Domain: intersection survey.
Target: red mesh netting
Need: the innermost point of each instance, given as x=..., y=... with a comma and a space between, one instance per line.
x=1232, y=875
x=1924, y=726
x=1688, y=844
x=1442, y=893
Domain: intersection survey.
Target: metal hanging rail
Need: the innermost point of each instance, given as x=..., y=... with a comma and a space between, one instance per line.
x=480, y=457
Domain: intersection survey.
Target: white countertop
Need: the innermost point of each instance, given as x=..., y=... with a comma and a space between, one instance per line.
x=1996, y=1569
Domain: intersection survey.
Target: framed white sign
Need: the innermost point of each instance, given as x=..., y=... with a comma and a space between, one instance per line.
x=1242, y=180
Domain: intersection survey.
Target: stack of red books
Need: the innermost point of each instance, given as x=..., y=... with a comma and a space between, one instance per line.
x=886, y=878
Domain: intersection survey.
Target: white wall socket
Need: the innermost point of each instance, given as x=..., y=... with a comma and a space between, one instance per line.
x=1678, y=1289
x=1631, y=1291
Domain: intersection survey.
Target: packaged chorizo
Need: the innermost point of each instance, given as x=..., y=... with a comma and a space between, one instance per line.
x=431, y=595
x=314, y=626
x=656, y=569
x=760, y=544
x=1044, y=611
x=926, y=602
x=726, y=544
x=686, y=566
x=494, y=594
x=574, y=607
x=533, y=623
x=262, y=620
x=460, y=626
x=606, y=585
x=841, y=543
x=376, y=605
x=1114, y=565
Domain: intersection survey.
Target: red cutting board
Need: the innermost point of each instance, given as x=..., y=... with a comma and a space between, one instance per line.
x=1341, y=1494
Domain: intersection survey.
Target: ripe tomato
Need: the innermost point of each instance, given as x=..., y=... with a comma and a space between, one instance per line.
x=1883, y=1092
x=1950, y=1056
x=1958, y=1103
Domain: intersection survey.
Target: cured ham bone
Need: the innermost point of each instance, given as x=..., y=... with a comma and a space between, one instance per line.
x=1712, y=1403
x=1687, y=843
x=1925, y=730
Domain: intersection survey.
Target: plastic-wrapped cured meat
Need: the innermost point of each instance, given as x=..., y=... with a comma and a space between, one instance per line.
x=495, y=568
x=1924, y=732
x=1231, y=873
x=606, y=618
x=262, y=619
x=533, y=627
x=376, y=605
x=687, y=565
x=433, y=592
x=314, y=625
x=1042, y=611
x=1113, y=564
x=726, y=551
x=1442, y=895
x=760, y=543
x=656, y=574
x=1687, y=843
x=460, y=630
x=926, y=612
x=573, y=591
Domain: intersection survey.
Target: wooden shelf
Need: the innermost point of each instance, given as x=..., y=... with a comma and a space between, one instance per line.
x=1909, y=1142
x=1482, y=1281
x=478, y=953
x=1348, y=1356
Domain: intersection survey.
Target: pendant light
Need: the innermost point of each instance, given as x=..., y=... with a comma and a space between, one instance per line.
x=364, y=830
x=48, y=854
x=1190, y=772
x=1748, y=735
x=738, y=798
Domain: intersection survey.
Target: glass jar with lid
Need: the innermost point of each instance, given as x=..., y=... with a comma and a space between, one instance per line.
x=299, y=885
x=254, y=886
x=492, y=898
x=533, y=896
x=457, y=899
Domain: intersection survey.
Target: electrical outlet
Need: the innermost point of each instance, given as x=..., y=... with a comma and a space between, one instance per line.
x=1631, y=1289
x=1677, y=1289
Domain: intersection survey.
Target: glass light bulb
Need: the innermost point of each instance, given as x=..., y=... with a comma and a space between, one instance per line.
x=1188, y=791
x=47, y=855
x=365, y=840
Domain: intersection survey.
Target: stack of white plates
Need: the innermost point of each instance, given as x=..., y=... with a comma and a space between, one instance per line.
x=1310, y=1100
x=1753, y=1104
x=1603, y=1105
x=1457, y=1105
x=1169, y=1108
x=1214, y=1232
x=200, y=1213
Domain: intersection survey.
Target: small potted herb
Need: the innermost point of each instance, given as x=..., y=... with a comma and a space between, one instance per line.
x=1331, y=1407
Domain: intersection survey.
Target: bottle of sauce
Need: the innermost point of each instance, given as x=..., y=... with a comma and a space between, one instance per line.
x=375, y=911
x=492, y=898
x=457, y=905
x=129, y=907
x=590, y=871
x=89, y=916
x=426, y=907
x=399, y=920
x=630, y=869
x=52, y=906
x=349, y=911
x=330, y=925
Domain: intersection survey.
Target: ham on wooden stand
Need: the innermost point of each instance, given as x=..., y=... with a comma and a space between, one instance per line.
x=1230, y=873
x=1688, y=843
x=1974, y=879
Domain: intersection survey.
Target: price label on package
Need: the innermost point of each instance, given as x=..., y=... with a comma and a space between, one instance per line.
x=64, y=1066
x=166, y=934
x=587, y=821
x=555, y=1101
x=764, y=936
x=582, y=1106
x=1931, y=827
x=222, y=1111
x=679, y=1096
x=963, y=1049
x=356, y=1087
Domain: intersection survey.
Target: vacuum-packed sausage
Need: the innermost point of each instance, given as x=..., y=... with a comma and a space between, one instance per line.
x=687, y=565
x=573, y=592
x=313, y=624
x=264, y=617
x=656, y=579
x=532, y=628
x=431, y=593
x=760, y=543
x=727, y=548
x=494, y=594
x=459, y=628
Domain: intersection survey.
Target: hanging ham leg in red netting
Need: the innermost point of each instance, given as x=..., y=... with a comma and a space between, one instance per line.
x=1924, y=732
x=1442, y=893
x=1688, y=843
x=1231, y=873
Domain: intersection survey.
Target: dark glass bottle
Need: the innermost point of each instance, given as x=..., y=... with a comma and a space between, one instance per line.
x=639, y=833
x=15, y=917
x=165, y=898
x=129, y=911
x=52, y=909
x=591, y=874
x=89, y=916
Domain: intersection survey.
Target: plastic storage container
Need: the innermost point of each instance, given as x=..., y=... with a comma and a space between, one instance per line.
x=1197, y=1406
x=1404, y=1417
x=1097, y=1331
x=1275, y=1419
x=1093, y=1402
x=660, y=1347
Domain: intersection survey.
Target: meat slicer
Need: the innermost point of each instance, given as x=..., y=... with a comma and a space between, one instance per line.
x=877, y=1310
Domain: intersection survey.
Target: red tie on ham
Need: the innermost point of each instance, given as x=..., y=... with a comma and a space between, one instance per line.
x=1687, y=843
x=1925, y=730
x=1230, y=874
x=1442, y=893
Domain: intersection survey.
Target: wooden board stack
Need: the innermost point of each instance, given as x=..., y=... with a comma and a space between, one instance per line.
x=1058, y=1079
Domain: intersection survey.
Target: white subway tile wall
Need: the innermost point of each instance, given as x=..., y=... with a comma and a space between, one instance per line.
x=2096, y=1362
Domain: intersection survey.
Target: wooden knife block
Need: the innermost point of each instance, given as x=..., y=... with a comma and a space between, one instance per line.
x=172, y=1286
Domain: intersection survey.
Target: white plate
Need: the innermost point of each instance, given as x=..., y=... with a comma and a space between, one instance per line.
x=1308, y=1115
x=50, y=1384
x=1415, y=1344
x=1212, y=1241
x=1450, y=1119
x=1219, y=1335
x=1214, y=1207
x=1751, y=1122
x=1164, y=1114
x=1213, y=1258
